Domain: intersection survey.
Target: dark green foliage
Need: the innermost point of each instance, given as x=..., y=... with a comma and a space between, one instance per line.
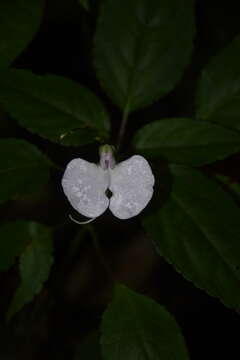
x=23, y=168
x=197, y=231
x=85, y=4
x=53, y=107
x=13, y=239
x=218, y=97
x=35, y=264
x=19, y=22
x=136, y=327
x=186, y=141
x=144, y=54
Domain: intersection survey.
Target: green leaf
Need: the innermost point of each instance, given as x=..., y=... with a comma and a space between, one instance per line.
x=142, y=48
x=14, y=237
x=85, y=4
x=19, y=22
x=136, y=327
x=35, y=265
x=218, y=96
x=53, y=107
x=23, y=168
x=187, y=141
x=197, y=231
x=231, y=185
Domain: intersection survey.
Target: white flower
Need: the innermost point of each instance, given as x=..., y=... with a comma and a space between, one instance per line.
x=130, y=182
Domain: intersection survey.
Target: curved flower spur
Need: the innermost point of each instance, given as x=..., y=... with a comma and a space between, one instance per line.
x=130, y=182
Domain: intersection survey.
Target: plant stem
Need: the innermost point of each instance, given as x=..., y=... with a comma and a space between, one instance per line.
x=122, y=127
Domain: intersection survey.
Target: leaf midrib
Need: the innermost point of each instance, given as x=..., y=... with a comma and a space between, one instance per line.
x=53, y=105
x=138, y=49
x=139, y=337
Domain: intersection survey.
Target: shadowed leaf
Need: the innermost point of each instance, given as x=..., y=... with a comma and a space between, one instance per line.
x=23, y=168
x=53, y=107
x=142, y=48
x=136, y=327
x=187, y=141
x=19, y=22
x=197, y=231
x=35, y=265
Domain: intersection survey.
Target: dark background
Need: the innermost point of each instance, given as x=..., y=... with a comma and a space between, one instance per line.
x=79, y=287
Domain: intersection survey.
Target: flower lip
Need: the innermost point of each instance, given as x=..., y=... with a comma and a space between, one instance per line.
x=125, y=188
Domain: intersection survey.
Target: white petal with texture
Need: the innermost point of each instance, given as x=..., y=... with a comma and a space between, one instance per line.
x=84, y=184
x=132, y=186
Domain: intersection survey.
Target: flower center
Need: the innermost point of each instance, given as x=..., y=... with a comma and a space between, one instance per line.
x=107, y=160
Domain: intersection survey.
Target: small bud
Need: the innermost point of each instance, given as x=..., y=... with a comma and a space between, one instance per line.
x=107, y=159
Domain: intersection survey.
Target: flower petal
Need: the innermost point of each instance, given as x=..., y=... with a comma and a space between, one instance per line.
x=84, y=184
x=132, y=186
